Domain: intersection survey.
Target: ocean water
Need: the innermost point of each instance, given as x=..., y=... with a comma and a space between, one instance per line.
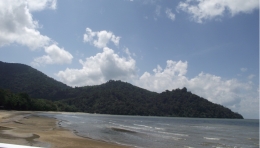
x=163, y=132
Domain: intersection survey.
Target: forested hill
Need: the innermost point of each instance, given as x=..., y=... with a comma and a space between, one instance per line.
x=112, y=97
x=116, y=97
x=22, y=78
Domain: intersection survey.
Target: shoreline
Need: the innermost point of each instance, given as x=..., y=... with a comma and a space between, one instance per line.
x=29, y=129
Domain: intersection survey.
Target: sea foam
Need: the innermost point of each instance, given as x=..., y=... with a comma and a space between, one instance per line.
x=208, y=138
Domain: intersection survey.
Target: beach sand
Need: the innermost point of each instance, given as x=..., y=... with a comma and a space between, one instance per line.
x=26, y=128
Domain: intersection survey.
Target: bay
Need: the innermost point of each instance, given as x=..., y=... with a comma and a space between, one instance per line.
x=163, y=132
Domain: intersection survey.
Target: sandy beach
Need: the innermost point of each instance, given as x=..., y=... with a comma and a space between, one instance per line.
x=26, y=128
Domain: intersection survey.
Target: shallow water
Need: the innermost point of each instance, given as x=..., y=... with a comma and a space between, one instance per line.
x=163, y=132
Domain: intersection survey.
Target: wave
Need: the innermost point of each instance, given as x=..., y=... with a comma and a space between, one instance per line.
x=128, y=145
x=208, y=138
x=164, y=124
x=175, y=134
x=143, y=126
x=158, y=128
x=177, y=139
x=167, y=136
x=122, y=130
x=203, y=127
x=125, y=126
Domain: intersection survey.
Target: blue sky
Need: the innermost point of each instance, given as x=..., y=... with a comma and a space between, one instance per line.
x=211, y=47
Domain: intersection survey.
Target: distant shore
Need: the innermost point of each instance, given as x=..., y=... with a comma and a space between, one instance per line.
x=27, y=128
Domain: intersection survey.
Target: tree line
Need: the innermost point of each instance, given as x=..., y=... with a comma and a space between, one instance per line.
x=23, y=102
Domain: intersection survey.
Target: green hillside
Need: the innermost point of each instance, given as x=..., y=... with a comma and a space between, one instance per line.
x=22, y=78
x=112, y=97
x=117, y=97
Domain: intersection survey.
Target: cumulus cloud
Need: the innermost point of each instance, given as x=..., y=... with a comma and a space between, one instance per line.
x=230, y=93
x=55, y=55
x=202, y=10
x=99, y=69
x=161, y=79
x=169, y=14
x=17, y=24
x=38, y=5
x=214, y=88
x=100, y=39
x=173, y=76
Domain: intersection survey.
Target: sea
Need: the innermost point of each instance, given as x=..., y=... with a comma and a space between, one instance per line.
x=162, y=132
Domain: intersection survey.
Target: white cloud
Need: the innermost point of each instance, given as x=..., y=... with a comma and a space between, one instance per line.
x=230, y=93
x=18, y=26
x=163, y=79
x=171, y=77
x=214, y=88
x=100, y=39
x=243, y=69
x=115, y=39
x=126, y=50
x=169, y=14
x=202, y=10
x=55, y=55
x=99, y=69
x=38, y=5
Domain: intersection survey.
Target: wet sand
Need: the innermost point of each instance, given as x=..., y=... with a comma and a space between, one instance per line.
x=26, y=128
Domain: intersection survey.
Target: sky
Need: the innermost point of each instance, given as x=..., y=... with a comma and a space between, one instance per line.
x=211, y=47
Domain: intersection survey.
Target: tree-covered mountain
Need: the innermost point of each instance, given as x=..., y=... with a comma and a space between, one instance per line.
x=117, y=97
x=22, y=78
x=113, y=97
